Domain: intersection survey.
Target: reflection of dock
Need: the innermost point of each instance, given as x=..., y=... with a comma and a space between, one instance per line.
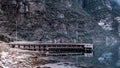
x=55, y=49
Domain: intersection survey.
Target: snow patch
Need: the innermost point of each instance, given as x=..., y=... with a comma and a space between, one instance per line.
x=60, y=15
x=4, y=54
x=108, y=4
x=118, y=19
x=68, y=4
x=106, y=24
x=101, y=23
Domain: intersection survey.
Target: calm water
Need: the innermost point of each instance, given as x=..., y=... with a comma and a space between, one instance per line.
x=105, y=56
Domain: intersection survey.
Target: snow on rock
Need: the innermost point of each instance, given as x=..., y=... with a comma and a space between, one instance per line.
x=60, y=15
x=3, y=47
x=4, y=54
x=108, y=4
x=101, y=23
x=14, y=58
x=118, y=19
x=17, y=58
x=10, y=60
x=106, y=24
x=68, y=4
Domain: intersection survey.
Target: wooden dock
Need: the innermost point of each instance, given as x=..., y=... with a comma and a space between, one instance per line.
x=55, y=49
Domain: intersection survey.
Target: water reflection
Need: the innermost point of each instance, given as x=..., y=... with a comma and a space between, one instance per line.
x=104, y=57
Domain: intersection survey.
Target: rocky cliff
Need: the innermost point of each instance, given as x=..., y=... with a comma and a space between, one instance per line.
x=86, y=21
x=58, y=20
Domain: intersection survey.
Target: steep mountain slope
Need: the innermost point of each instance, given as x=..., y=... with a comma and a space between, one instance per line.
x=86, y=21
x=59, y=20
x=106, y=14
x=43, y=20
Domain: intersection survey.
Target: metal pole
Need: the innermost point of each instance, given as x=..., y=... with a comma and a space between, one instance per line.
x=16, y=30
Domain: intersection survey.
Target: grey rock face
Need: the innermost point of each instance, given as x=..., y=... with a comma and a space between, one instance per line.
x=43, y=20
x=57, y=20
